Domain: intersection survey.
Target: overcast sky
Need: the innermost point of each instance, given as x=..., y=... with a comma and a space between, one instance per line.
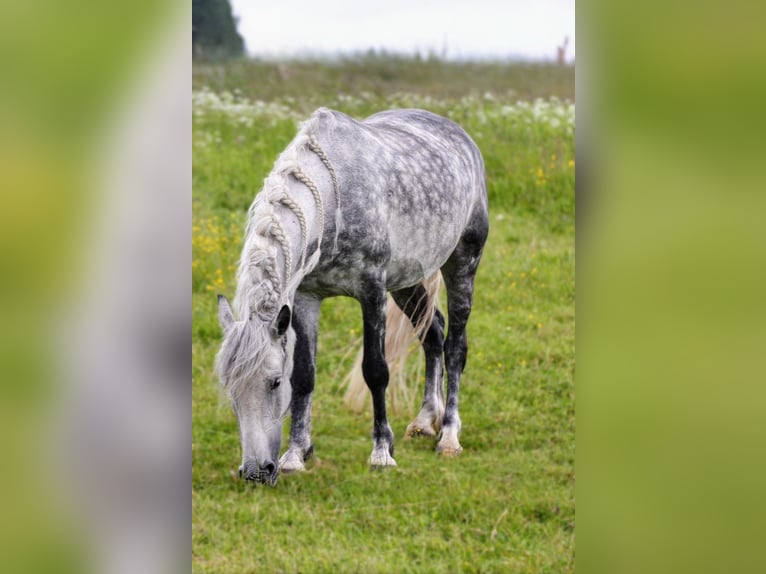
x=464, y=28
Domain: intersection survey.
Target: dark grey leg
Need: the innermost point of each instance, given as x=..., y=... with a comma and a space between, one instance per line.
x=375, y=368
x=459, y=273
x=412, y=302
x=305, y=320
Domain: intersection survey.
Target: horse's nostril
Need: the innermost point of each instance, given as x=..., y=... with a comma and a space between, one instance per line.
x=259, y=472
x=250, y=470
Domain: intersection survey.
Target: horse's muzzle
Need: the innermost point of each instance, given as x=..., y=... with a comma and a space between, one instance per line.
x=263, y=473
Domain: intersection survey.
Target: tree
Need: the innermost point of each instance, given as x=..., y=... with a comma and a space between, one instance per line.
x=214, y=30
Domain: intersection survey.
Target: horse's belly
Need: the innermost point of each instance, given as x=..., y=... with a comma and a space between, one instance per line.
x=415, y=248
x=404, y=269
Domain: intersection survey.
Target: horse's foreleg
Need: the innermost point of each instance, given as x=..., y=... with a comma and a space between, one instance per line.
x=375, y=370
x=305, y=319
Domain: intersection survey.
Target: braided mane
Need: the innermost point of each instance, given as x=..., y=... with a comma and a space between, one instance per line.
x=261, y=288
x=259, y=285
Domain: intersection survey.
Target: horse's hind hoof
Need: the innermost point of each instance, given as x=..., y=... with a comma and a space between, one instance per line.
x=416, y=430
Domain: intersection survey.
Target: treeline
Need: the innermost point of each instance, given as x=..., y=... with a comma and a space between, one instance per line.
x=214, y=31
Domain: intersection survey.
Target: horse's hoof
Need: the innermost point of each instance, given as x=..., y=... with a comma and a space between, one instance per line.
x=291, y=462
x=416, y=429
x=448, y=443
x=449, y=451
x=381, y=458
x=292, y=468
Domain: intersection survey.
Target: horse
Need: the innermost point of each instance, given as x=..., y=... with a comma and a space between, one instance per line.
x=361, y=209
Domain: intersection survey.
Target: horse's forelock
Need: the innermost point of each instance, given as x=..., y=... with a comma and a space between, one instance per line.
x=242, y=354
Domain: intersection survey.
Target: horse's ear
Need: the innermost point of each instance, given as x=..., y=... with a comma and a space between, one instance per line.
x=282, y=321
x=225, y=316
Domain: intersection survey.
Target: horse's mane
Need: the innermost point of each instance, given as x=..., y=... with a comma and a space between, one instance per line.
x=261, y=288
x=264, y=232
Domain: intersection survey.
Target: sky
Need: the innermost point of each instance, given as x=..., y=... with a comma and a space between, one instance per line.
x=457, y=29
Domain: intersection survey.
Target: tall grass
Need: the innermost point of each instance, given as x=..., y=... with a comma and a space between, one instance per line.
x=309, y=82
x=507, y=504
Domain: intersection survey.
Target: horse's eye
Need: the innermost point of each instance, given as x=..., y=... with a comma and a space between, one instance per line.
x=275, y=383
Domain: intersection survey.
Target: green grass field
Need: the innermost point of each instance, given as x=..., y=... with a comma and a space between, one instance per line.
x=507, y=503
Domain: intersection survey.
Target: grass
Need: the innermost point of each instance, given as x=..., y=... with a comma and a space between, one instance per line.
x=505, y=505
x=309, y=82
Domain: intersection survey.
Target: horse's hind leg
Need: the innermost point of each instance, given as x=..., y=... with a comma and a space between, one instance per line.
x=413, y=301
x=305, y=319
x=459, y=273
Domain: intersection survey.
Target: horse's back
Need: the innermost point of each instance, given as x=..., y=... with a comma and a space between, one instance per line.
x=411, y=183
x=420, y=142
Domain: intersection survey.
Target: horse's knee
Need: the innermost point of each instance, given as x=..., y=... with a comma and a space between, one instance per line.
x=304, y=363
x=302, y=381
x=375, y=371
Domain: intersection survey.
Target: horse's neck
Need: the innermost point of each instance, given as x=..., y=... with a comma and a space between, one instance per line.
x=304, y=197
x=288, y=218
x=282, y=246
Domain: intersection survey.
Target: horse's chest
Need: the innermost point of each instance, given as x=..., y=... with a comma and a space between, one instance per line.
x=330, y=282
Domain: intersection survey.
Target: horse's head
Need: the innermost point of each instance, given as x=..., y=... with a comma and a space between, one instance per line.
x=254, y=364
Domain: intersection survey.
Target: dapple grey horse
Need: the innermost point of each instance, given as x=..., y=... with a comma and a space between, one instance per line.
x=359, y=209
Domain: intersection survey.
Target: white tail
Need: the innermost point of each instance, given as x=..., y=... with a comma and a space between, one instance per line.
x=400, y=339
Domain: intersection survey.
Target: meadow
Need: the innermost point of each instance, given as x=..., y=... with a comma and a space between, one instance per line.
x=507, y=503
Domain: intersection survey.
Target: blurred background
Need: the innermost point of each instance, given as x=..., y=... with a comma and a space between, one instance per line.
x=452, y=29
x=670, y=269
x=94, y=232
x=505, y=72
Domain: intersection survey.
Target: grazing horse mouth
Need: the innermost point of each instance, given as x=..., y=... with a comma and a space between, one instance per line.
x=259, y=476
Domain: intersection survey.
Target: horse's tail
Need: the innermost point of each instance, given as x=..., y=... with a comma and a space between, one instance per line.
x=400, y=336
